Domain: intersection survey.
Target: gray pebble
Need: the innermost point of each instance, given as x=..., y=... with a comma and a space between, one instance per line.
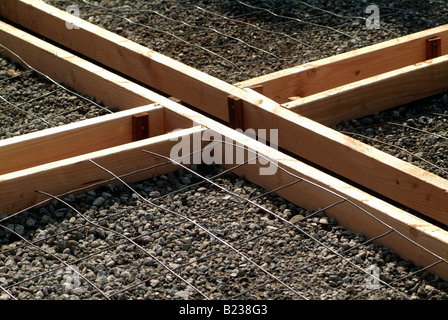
x=30, y=222
x=98, y=202
x=186, y=180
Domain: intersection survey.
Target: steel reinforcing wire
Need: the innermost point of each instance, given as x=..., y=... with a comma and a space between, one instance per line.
x=12, y=110
x=282, y=278
x=240, y=203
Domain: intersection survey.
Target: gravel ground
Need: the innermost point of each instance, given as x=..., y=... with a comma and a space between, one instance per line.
x=416, y=133
x=29, y=102
x=238, y=40
x=114, y=267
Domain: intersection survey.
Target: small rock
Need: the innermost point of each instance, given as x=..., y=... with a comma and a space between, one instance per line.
x=154, y=283
x=411, y=123
x=71, y=243
x=110, y=263
x=30, y=222
x=106, y=195
x=98, y=202
x=202, y=269
x=396, y=114
x=324, y=220
x=19, y=229
x=186, y=180
x=296, y=219
x=183, y=294
x=370, y=131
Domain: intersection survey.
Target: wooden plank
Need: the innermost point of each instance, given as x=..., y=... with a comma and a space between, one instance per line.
x=320, y=190
x=315, y=191
x=345, y=156
x=375, y=94
x=335, y=71
x=77, y=172
x=69, y=69
x=127, y=57
x=74, y=139
x=17, y=189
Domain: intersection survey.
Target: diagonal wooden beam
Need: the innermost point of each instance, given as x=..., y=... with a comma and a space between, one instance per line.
x=357, y=210
x=345, y=156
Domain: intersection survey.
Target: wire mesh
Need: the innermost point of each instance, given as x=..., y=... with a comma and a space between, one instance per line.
x=238, y=40
x=198, y=233
x=31, y=101
x=202, y=232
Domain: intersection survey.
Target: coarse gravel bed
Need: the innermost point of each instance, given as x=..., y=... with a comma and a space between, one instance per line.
x=236, y=40
x=31, y=102
x=318, y=260
x=113, y=265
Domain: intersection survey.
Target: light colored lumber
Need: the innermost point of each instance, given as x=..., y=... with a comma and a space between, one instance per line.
x=68, y=69
x=17, y=189
x=345, y=156
x=375, y=94
x=335, y=71
x=317, y=189
x=127, y=57
x=73, y=139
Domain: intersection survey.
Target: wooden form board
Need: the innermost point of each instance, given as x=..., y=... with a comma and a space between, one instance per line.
x=317, y=190
x=321, y=188
x=336, y=71
x=345, y=156
x=73, y=139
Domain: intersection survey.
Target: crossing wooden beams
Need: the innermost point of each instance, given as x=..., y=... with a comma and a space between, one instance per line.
x=300, y=123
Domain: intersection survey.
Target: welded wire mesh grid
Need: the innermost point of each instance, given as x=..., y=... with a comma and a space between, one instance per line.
x=198, y=233
x=237, y=40
x=31, y=101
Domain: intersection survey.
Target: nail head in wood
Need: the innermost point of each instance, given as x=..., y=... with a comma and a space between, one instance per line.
x=140, y=126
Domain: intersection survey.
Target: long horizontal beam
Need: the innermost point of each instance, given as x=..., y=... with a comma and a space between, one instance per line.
x=367, y=166
x=375, y=94
x=17, y=189
x=335, y=71
x=70, y=70
x=77, y=138
x=316, y=189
